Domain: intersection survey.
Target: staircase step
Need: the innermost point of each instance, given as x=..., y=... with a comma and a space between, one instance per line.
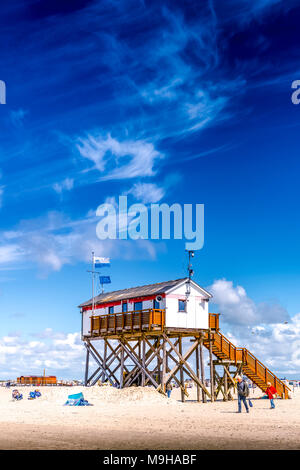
x=247, y=370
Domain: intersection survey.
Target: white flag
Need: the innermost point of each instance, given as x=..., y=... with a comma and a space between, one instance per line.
x=98, y=261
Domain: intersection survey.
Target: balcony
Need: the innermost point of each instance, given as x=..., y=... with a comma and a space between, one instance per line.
x=130, y=322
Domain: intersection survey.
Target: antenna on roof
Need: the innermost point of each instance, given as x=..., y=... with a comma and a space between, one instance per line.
x=190, y=272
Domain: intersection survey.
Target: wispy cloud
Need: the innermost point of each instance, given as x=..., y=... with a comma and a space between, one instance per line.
x=56, y=240
x=66, y=185
x=147, y=192
x=119, y=159
x=17, y=117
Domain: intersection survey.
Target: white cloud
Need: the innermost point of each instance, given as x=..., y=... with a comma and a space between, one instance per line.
x=237, y=308
x=147, y=192
x=67, y=184
x=54, y=241
x=9, y=253
x=275, y=345
x=63, y=357
x=119, y=159
x=266, y=330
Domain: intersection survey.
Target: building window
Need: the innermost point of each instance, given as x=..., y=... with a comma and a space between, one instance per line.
x=124, y=307
x=138, y=306
x=181, y=305
x=155, y=304
x=110, y=310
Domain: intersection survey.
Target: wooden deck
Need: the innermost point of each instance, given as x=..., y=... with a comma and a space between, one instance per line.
x=130, y=322
x=149, y=321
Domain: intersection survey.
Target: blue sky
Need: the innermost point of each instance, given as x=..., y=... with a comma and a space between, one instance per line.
x=176, y=102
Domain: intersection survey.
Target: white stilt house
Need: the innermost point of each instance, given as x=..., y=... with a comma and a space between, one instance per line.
x=182, y=303
x=151, y=326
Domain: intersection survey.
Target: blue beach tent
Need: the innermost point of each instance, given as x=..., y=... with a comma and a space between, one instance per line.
x=77, y=400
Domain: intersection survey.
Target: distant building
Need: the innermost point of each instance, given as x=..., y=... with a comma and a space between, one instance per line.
x=35, y=380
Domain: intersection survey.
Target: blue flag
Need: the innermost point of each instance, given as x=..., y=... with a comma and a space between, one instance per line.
x=104, y=279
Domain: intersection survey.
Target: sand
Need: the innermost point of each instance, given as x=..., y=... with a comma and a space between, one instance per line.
x=139, y=418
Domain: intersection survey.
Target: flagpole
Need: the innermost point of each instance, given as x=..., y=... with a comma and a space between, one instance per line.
x=93, y=269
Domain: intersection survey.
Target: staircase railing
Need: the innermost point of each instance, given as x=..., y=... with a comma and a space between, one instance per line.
x=138, y=320
x=257, y=368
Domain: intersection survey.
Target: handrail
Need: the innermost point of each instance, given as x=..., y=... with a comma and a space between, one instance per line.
x=213, y=319
x=127, y=320
x=228, y=349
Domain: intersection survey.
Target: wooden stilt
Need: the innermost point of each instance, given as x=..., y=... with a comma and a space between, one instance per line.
x=122, y=368
x=164, y=366
x=143, y=361
x=197, y=351
x=104, y=358
x=181, y=372
x=204, y=397
x=158, y=362
x=87, y=367
x=225, y=385
x=212, y=384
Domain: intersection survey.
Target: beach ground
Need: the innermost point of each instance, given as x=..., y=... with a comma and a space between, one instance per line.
x=139, y=418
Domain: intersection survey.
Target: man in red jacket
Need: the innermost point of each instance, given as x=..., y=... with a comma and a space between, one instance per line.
x=271, y=391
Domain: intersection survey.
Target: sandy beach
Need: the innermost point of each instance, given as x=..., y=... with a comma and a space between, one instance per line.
x=139, y=418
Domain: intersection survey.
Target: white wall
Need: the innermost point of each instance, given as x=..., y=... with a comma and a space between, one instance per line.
x=196, y=315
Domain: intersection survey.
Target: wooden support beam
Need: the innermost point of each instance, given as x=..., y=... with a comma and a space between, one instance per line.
x=150, y=355
x=159, y=361
x=181, y=372
x=97, y=356
x=143, y=360
x=204, y=398
x=176, y=368
x=122, y=368
x=198, y=370
x=212, y=385
x=225, y=385
x=86, y=366
x=133, y=357
x=131, y=373
x=94, y=374
x=183, y=362
x=104, y=358
x=164, y=366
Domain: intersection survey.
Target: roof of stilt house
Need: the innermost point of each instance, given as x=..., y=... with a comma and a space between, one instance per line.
x=140, y=291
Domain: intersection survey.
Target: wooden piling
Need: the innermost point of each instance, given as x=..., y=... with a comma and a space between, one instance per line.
x=204, y=397
x=212, y=381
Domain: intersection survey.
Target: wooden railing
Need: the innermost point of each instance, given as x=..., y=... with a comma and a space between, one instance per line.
x=252, y=367
x=213, y=319
x=138, y=320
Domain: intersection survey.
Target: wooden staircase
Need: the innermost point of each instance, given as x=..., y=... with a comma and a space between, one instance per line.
x=224, y=350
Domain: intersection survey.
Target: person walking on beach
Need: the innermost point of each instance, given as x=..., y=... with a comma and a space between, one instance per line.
x=169, y=389
x=271, y=391
x=243, y=392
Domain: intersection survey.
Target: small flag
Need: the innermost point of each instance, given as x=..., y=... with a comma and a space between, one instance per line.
x=101, y=262
x=104, y=280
